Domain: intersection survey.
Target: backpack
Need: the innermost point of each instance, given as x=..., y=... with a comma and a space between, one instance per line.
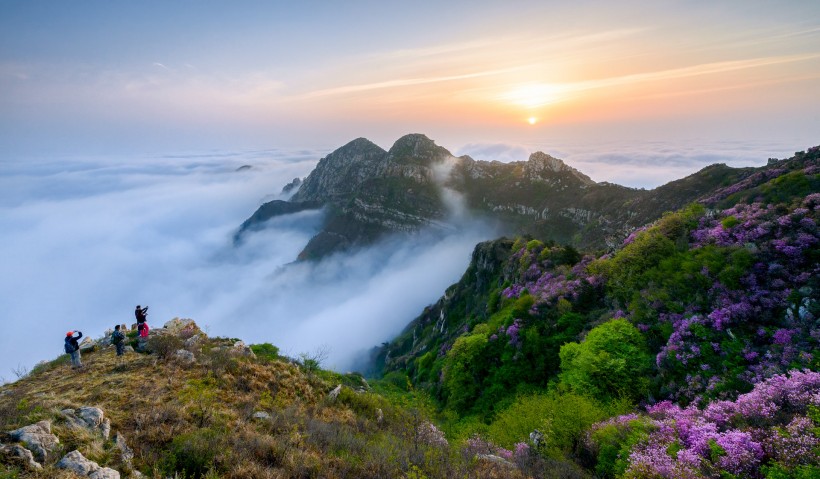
x=144, y=330
x=69, y=348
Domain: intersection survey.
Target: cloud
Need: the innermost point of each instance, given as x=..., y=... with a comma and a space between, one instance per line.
x=87, y=239
x=502, y=152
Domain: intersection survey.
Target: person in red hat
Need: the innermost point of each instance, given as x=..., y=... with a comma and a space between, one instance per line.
x=72, y=347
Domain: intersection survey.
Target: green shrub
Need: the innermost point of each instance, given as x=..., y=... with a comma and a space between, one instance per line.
x=265, y=351
x=164, y=345
x=463, y=369
x=614, y=442
x=612, y=362
x=562, y=418
x=193, y=454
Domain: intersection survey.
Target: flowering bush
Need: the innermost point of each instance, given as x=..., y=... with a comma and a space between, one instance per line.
x=769, y=428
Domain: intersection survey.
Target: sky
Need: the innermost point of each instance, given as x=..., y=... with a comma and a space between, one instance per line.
x=102, y=77
x=122, y=125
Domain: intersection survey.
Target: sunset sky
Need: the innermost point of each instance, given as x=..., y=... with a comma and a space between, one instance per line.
x=97, y=77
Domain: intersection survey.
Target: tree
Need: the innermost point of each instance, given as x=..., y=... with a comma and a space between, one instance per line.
x=613, y=361
x=462, y=369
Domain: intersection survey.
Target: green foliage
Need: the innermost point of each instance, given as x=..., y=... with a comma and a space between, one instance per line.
x=614, y=442
x=193, y=454
x=778, y=471
x=265, y=351
x=613, y=361
x=463, y=370
x=563, y=419
x=729, y=222
x=627, y=270
x=164, y=345
x=200, y=396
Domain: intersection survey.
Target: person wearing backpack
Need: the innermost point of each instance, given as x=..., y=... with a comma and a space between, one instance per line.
x=72, y=347
x=119, y=340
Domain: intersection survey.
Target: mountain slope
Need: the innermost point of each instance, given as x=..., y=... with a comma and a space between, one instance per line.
x=726, y=273
x=369, y=193
x=202, y=407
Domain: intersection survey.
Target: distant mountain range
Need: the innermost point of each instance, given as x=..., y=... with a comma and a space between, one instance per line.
x=369, y=192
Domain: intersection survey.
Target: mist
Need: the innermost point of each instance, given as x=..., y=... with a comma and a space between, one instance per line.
x=86, y=239
x=640, y=164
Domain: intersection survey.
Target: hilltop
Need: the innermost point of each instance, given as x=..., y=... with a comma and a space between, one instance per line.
x=192, y=406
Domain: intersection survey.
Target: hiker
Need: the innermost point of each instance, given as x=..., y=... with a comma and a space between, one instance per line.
x=72, y=347
x=141, y=313
x=119, y=340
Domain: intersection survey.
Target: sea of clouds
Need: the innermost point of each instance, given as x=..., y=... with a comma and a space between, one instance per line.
x=84, y=240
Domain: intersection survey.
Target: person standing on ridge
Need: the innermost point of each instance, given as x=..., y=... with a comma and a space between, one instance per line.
x=72, y=347
x=119, y=340
x=141, y=314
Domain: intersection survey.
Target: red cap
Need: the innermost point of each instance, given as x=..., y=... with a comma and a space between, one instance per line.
x=69, y=333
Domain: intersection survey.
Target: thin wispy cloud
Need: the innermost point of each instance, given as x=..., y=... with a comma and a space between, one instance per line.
x=342, y=90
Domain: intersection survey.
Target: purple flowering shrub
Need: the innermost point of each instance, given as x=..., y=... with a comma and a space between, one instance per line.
x=774, y=427
x=725, y=298
x=754, y=316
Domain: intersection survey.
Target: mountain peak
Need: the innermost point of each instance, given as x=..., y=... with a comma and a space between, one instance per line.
x=416, y=148
x=540, y=163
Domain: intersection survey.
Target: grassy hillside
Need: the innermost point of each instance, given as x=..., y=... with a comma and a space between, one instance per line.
x=197, y=419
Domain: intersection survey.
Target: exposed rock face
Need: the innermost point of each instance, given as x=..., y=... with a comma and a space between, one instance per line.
x=38, y=438
x=293, y=185
x=185, y=356
x=368, y=192
x=91, y=418
x=262, y=416
x=335, y=393
x=74, y=461
x=181, y=327
x=126, y=453
x=20, y=455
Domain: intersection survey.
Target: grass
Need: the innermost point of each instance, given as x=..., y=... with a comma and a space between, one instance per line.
x=196, y=420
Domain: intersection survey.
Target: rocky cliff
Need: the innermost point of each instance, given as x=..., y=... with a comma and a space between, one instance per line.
x=369, y=192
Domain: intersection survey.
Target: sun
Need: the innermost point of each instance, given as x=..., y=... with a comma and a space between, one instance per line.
x=532, y=120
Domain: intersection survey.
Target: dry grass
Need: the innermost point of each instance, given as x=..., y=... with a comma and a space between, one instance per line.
x=197, y=418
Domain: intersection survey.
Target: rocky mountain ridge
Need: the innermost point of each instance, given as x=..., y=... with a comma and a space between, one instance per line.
x=368, y=192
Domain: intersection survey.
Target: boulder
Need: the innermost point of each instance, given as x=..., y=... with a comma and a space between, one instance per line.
x=128, y=349
x=72, y=420
x=38, y=438
x=93, y=416
x=75, y=461
x=185, y=356
x=126, y=453
x=87, y=345
x=335, y=393
x=105, y=428
x=241, y=349
x=193, y=341
x=262, y=415
x=104, y=473
x=181, y=327
x=20, y=455
x=87, y=417
x=495, y=460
